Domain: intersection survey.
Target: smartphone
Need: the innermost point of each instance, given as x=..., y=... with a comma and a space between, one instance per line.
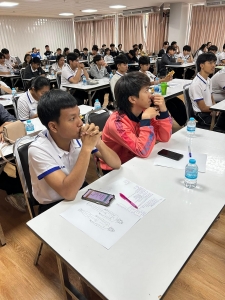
x=98, y=197
x=170, y=154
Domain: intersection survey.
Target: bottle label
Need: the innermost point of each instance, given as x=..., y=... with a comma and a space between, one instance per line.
x=191, y=175
x=191, y=128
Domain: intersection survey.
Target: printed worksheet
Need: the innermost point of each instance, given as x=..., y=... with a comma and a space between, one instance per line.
x=106, y=225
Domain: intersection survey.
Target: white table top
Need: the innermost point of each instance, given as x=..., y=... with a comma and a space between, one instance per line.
x=144, y=262
x=220, y=106
x=10, y=75
x=182, y=66
x=220, y=67
x=7, y=100
x=101, y=82
x=176, y=87
x=133, y=64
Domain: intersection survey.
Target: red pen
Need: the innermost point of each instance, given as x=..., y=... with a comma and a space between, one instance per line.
x=128, y=200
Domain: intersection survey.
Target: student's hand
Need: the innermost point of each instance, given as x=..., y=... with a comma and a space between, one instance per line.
x=89, y=129
x=167, y=78
x=150, y=113
x=180, y=60
x=159, y=102
x=81, y=65
x=90, y=136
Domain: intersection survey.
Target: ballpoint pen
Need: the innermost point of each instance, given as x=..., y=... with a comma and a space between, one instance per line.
x=189, y=150
x=128, y=200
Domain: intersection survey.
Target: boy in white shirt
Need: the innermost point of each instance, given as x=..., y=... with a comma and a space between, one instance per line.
x=200, y=92
x=60, y=155
x=218, y=85
x=121, y=63
x=108, y=57
x=187, y=57
x=221, y=57
x=9, y=60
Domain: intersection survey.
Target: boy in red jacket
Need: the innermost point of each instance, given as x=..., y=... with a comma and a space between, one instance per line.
x=134, y=127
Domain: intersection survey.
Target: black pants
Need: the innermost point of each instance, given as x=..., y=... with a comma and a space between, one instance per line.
x=177, y=110
x=44, y=207
x=206, y=118
x=100, y=95
x=9, y=184
x=79, y=95
x=189, y=73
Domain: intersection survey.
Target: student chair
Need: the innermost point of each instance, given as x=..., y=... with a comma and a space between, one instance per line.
x=14, y=102
x=21, y=153
x=158, y=66
x=2, y=237
x=22, y=71
x=99, y=118
x=58, y=80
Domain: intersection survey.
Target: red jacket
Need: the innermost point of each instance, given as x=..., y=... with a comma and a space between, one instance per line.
x=130, y=136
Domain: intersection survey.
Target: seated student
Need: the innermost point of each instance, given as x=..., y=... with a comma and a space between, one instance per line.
x=34, y=69
x=60, y=155
x=120, y=49
x=11, y=185
x=66, y=51
x=187, y=57
x=94, y=52
x=135, y=46
x=169, y=59
x=9, y=60
x=47, y=52
x=59, y=64
x=202, y=49
x=218, y=85
x=73, y=72
x=131, y=57
x=4, y=88
x=114, y=52
x=175, y=106
x=213, y=49
x=84, y=55
x=58, y=52
x=163, y=50
x=221, y=57
x=77, y=52
x=35, y=53
x=121, y=63
x=98, y=70
x=200, y=92
x=28, y=102
x=141, y=51
x=108, y=57
x=27, y=60
x=209, y=44
x=177, y=49
x=102, y=50
x=4, y=68
x=133, y=129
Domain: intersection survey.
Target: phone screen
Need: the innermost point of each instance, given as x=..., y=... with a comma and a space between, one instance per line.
x=170, y=154
x=98, y=197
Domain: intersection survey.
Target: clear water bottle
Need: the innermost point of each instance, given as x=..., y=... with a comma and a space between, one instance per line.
x=52, y=73
x=191, y=174
x=11, y=71
x=191, y=126
x=29, y=126
x=157, y=87
x=110, y=76
x=84, y=80
x=47, y=68
x=97, y=104
x=13, y=92
x=185, y=60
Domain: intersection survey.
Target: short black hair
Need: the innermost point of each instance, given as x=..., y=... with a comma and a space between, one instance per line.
x=170, y=48
x=106, y=50
x=51, y=103
x=36, y=60
x=71, y=56
x=46, y=46
x=165, y=43
x=208, y=43
x=95, y=47
x=25, y=56
x=5, y=51
x=132, y=52
x=104, y=45
x=173, y=43
x=202, y=47
x=213, y=48
x=120, y=59
x=144, y=60
x=59, y=49
x=120, y=45
x=97, y=58
x=139, y=46
x=204, y=57
x=135, y=46
x=77, y=51
x=85, y=49
x=187, y=48
x=59, y=56
x=129, y=85
x=38, y=83
x=66, y=49
x=2, y=55
x=223, y=46
x=112, y=45
x=34, y=48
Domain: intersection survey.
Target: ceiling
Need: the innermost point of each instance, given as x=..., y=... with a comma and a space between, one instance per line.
x=43, y=8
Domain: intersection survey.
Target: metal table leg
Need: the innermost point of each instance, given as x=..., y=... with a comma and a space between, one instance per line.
x=213, y=120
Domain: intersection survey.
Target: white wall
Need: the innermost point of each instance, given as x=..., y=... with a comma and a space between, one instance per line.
x=19, y=34
x=178, y=23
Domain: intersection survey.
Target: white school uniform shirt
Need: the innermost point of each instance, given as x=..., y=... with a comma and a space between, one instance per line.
x=218, y=85
x=11, y=61
x=114, y=80
x=2, y=83
x=200, y=89
x=57, y=68
x=26, y=106
x=5, y=68
x=221, y=57
x=150, y=75
x=182, y=56
x=45, y=157
x=66, y=74
x=108, y=58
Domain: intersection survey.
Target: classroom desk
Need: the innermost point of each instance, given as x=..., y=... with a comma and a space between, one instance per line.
x=184, y=66
x=220, y=67
x=103, y=83
x=12, y=78
x=220, y=106
x=7, y=102
x=145, y=261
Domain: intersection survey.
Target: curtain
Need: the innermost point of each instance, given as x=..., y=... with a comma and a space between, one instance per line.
x=131, y=31
x=207, y=25
x=104, y=32
x=157, y=32
x=84, y=35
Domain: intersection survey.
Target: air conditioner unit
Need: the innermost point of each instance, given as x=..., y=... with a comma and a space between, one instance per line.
x=214, y=3
x=88, y=18
x=138, y=11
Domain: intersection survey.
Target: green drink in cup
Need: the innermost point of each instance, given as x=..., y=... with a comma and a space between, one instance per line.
x=163, y=88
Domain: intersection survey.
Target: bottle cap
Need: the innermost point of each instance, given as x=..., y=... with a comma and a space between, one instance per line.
x=96, y=100
x=28, y=121
x=192, y=119
x=192, y=161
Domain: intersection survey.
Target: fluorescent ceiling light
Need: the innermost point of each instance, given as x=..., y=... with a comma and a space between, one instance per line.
x=89, y=10
x=8, y=4
x=66, y=14
x=117, y=6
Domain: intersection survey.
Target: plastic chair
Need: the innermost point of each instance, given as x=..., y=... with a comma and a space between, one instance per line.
x=15, y=102
x=158, y=66
x=58, y=80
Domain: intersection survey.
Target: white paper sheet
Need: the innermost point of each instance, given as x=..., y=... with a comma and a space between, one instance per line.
x=106, y=225
x=180, y=164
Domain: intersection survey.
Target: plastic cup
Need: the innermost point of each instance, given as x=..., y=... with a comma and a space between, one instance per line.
x=163, y=88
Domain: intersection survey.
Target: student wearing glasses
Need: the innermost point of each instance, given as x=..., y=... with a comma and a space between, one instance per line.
x=133, y=129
